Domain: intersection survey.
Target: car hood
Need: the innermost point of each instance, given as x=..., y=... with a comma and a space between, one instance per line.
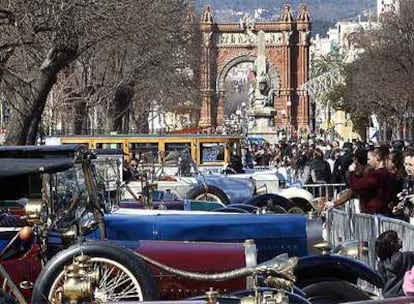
x=273, y=234
x=229, y=181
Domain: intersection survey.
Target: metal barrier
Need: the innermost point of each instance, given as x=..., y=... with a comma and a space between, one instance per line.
x=365, y=230
x=330, y=191
x=346, y=225
x=338, y=227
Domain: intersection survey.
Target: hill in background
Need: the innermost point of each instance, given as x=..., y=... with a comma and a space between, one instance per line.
x=324, y=13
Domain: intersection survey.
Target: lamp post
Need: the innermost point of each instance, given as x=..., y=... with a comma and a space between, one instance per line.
x=288, y=113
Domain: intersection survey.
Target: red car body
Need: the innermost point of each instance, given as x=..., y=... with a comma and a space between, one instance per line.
x=189, y=256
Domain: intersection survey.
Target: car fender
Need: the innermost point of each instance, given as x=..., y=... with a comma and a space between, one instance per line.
x=237, y=190
x=301, y=197
x=311, y=269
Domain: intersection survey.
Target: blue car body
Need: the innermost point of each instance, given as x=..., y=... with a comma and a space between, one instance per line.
x=273, y=234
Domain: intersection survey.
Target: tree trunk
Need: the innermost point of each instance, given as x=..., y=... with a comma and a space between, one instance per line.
x=142, y=124
x=79, y=117
x=35, y=103
x=122, y=102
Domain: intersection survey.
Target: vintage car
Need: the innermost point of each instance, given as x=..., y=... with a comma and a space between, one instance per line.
x=186, y=182
x=189, y=165
x=224, y=189
x=75, y=251
x=166, y=200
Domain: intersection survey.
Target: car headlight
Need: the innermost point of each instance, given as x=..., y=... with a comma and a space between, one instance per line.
x=352, y=248
x=314, y=231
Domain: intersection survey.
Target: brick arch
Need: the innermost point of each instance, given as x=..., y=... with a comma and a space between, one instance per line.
x=287, y=54
x=241, y=58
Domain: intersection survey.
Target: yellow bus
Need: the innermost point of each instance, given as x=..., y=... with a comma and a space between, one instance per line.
x=205, y=150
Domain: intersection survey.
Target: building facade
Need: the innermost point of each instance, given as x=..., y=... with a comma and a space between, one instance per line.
x=386, y=7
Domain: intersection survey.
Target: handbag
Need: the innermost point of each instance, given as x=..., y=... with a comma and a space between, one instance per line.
x=408, y=283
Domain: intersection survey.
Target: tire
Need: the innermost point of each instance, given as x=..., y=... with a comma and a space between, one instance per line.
x=274, y=203
x=208, y=193
x=248, y=208
x=124, y=261
x=301, y=204
x=332, y=292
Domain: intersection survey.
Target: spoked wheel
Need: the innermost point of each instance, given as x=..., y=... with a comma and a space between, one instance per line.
x=210, y=197
x=296, y=210
x=116, y=282
x=208, y=193
x=121, y=276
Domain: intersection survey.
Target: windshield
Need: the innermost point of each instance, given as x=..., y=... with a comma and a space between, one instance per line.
x=65, y=190
x=108, y=172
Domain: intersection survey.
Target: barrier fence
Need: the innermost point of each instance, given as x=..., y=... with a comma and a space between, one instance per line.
x=345, y=225
x=330, y=191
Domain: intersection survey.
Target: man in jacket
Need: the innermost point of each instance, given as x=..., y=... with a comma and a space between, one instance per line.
x=341, y=166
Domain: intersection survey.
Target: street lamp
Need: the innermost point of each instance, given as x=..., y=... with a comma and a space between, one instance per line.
x=288, y=112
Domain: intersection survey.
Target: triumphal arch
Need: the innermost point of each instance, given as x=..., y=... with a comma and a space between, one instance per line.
x=280, y=52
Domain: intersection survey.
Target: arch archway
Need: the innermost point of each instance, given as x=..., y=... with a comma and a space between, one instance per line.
x=241, y=58
x=286, y=53
x=274, y=77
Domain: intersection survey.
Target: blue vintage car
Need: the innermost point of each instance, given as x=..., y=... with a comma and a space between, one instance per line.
x=66, y=205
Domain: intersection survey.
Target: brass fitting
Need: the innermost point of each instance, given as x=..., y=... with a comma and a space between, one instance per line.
x=212, y=296
x=80, y=280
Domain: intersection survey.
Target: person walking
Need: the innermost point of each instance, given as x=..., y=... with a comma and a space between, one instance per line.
x=340, y=171
x=319, y=167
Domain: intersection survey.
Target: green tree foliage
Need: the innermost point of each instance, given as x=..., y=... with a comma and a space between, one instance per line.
x=321, y=67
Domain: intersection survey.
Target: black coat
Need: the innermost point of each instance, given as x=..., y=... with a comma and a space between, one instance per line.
x=341, y=168
x=392, y=271
x=320, y=171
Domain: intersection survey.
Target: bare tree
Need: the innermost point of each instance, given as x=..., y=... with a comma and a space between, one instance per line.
x=41, y=39
x=380, y=81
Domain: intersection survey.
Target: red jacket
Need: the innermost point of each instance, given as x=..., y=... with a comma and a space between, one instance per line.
x=375, y=191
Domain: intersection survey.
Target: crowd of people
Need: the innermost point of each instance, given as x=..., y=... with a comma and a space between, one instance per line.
x=308, y=162
x=376, y=174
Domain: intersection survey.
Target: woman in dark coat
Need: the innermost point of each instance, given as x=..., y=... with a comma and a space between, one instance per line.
x=320, y=171
x=393, y=263
x=319, y=167
x=396, y=168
